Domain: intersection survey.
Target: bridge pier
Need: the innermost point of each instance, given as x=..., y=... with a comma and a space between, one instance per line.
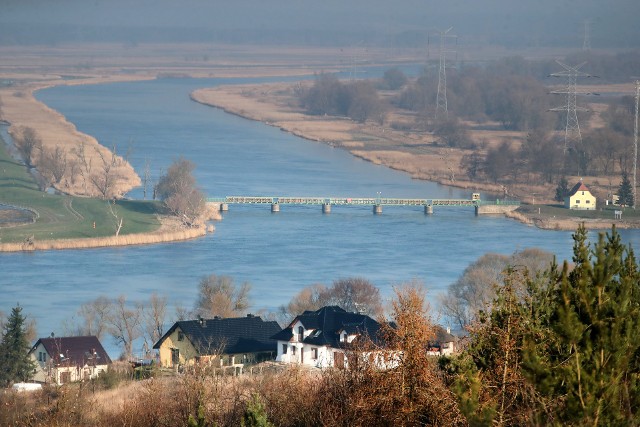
x=428, y=209
x=326, y=208
x=275, y=207
x=377, y=209
x=224, y=207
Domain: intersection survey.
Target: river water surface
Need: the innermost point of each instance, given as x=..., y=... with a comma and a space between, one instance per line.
x=277, y=253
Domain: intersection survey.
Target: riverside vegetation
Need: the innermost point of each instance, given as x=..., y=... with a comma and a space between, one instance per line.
x=557, y=347
x=498, y=135
x=56, y=221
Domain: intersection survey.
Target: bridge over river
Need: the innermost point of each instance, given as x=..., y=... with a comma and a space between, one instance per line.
x=481, y=207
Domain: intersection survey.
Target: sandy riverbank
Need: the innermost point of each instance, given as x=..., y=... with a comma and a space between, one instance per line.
x=22, y=110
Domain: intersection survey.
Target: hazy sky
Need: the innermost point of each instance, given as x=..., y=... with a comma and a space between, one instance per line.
x=615, y=22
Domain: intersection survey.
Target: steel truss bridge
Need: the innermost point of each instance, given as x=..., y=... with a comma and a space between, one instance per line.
x=375, y=202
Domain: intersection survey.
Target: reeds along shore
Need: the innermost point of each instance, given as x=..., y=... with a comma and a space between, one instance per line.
x=98, y=242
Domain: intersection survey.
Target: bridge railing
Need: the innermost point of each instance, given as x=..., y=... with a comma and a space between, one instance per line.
x=499, y=202
x=387, y=201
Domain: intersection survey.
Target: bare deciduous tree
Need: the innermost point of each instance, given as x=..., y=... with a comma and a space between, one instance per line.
x=106, y=178
x=354, y=294
x=219, y=296
x=310, y=298
x=153, y=319
x=27, y=142
x=118, y=220
x=474, y=291
x=146, y=178
x=83, y=165
x=124, y=324
x=94, y=317
x=177, y=188
x=357, y=295
x=52, y=165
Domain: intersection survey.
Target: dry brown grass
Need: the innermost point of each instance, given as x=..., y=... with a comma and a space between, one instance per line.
x=21, y=109
x=161, y=236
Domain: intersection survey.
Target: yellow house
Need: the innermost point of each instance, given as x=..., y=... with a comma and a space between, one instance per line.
x=580, y=198
x=233, y=341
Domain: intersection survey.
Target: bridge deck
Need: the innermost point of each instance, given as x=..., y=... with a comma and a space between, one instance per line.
x=383, y=201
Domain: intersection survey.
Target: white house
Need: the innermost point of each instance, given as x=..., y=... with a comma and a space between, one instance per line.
x=320, y=338
x=444, y=344
x=61, y=360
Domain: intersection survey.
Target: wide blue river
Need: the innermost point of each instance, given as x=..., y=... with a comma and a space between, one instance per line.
x=278, y=254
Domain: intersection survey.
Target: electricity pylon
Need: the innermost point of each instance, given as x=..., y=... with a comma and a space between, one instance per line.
x=572, y=136
x=441, y=99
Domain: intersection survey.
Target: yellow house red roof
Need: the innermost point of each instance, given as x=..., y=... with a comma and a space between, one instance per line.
x=578, y=187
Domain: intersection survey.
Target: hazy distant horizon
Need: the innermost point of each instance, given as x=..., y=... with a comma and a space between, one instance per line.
x=405, y=23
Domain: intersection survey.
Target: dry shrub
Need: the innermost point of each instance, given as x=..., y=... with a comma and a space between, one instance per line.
x=67, y=405
x=410, y=391
x=97, y=242
x=291, y=397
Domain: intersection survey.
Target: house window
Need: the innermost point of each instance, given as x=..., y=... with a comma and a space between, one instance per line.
x=314, y=353
x=300, y=333
x=284, y=348
x=578, y=201
x=587, y=201
x=293, y=351
x=180, y=336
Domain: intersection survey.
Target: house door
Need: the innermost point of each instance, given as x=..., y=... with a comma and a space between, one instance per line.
x=302, y=355
x=338, y=359
x=175, y=356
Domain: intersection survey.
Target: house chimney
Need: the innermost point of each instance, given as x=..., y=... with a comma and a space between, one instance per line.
x=201, y=321
x=249, y=315
x=448, y=330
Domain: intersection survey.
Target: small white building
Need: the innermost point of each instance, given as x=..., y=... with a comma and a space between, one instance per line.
x=61, y=360
x=445, y=344
x=321, y=338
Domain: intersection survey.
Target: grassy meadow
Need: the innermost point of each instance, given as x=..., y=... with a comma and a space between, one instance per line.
x=62, y=216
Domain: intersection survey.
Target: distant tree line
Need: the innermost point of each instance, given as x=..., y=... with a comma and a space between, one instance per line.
x=357, y=100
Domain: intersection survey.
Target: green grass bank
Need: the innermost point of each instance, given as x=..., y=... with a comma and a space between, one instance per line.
x=61, y=216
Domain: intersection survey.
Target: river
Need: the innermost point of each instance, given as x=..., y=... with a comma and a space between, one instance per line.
x=277, y=253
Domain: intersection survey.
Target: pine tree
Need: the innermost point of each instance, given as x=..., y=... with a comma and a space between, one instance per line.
x=588, y=368
x=625, y=191
x=255, y=415
x=15, y=362
x=562, y=190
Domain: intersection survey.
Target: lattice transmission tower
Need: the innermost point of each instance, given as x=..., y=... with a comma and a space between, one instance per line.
x=441, y=99
x=572, y=135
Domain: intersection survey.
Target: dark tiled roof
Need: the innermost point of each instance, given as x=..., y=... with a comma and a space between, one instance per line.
x=233, y=335
x=578, y=187
x=327, y=324
x=443, y=336
x=76, y=351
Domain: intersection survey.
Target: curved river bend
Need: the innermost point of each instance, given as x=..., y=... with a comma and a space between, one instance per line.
x=277, y=253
